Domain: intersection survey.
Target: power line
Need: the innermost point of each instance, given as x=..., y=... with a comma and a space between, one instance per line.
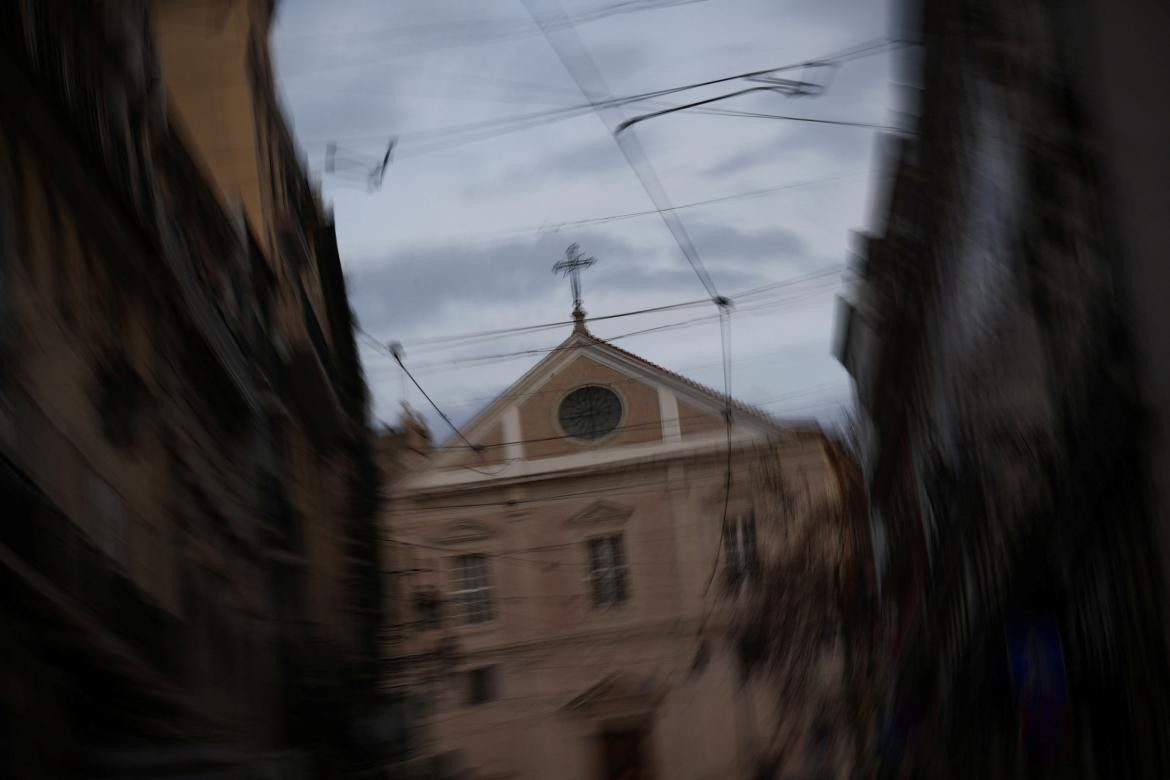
x=758, y=193
x=495, y=333
x=476, y=335
x=503, y=396
x=761, y=307
x=464, y=134
x=556, y=226
x=865, y=49
x=674, y=109
x=459, y=134
x=583, y=70
x=397, y=353
x=509, y=27
x=461, y=363
x=839, y=122
x=725, y=335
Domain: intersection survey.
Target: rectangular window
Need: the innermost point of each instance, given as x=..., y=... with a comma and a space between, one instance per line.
x=473, y=593
x=481, y=685
x=607, y=570
x=739, y=539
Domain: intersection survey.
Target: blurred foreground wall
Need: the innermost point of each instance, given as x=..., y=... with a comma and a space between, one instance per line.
x=189, y=574
x=1008, y=335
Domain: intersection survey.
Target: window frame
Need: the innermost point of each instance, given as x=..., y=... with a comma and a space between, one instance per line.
x=741, y=549
x=472, y=594
x=607, y=573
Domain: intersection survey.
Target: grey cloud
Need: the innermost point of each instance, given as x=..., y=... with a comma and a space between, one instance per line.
x=622, y=60
x=588, y=160
x=410, y=288
x=813, y=143
x=839, y=144
x=721, y=242
x=374, y=68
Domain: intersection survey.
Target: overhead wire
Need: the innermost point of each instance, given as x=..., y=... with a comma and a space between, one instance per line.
x=479, y=31
x=557, y=226
x=725, y=336
x=815, y=120
x=757, y=308
x=751, y=114
x=583, y=70
x=762, y=307
x=494, y=333
x=443, y=138
x=479, y=400
x=588, y=78
x=434, y=405
x=437, y=140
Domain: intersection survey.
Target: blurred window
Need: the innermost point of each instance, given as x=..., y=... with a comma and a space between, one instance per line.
x=473, y=592
x=739, y=539
x=607, y=570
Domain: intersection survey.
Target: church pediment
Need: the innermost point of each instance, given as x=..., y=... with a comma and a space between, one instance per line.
x=588, y=396
x=601, y=513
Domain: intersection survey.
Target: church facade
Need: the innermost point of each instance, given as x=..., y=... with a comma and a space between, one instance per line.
x=567, y=577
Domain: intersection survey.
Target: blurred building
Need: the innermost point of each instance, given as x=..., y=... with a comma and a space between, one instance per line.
x=804, y=631
x=187, y=548
x=1006, y=335
x=569, y=582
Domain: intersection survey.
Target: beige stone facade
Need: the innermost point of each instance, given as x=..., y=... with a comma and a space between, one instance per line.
x=577, y=685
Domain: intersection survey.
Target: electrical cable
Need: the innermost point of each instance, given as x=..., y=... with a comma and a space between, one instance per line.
x=549, y=325
x=584, y=71
x=751, y=114
x=725, y=336
x=558, y=226
x=506, y=396
x=495, y=333
x=441, y=413
x=476, y=130
x=760, y=307
x=839, y=122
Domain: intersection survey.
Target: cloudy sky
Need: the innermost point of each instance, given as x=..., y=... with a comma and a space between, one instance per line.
x=471, y=215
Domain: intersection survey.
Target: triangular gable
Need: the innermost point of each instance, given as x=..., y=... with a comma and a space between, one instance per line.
x=700, y=408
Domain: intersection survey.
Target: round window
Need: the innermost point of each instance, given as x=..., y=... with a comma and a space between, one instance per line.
x=590, y=412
